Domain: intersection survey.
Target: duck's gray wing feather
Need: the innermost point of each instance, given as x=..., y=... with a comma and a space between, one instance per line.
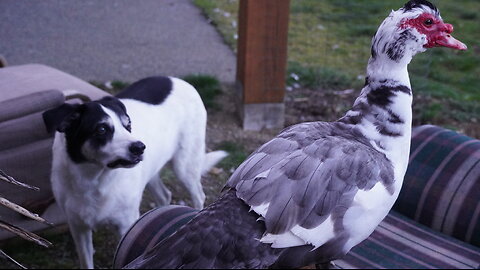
x=308, y=172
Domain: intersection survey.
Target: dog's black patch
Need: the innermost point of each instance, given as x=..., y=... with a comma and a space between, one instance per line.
x=153, y=90
x=80, y=123
x=59, y=118
x=118, y=107
x=90, y=126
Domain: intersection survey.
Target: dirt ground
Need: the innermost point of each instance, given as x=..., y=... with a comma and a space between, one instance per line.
x=303, y=105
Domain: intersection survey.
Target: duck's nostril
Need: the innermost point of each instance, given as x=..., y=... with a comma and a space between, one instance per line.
x=449, y=28
x=137, y=148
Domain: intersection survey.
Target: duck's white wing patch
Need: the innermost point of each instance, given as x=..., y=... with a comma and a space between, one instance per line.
x=260, y=209
x=368, y=207
x=284, y=240
x=316, y=236
x=299, y=236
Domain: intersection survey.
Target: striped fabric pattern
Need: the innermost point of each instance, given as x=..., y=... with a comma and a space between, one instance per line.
x=150, y=229
x=400, y=243
x=442, y=185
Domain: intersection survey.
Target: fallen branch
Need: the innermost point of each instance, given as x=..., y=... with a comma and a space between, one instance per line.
x=25, y=234
x=12, y=259
x=17, y=208
x=11, y=180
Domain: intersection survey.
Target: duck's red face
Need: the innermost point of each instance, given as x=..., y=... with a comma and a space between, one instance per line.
x=437, y=32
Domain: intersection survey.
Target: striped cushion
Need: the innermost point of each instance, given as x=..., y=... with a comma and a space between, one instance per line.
x=150, y=229
x=400, y=243
x=442, y=186
x=439, y=156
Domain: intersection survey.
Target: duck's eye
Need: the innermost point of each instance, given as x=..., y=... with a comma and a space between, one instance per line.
x=428, y=22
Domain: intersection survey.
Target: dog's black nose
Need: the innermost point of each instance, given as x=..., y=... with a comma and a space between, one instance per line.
x=137, y=148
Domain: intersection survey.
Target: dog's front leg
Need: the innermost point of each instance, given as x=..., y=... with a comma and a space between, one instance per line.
x=82, y=236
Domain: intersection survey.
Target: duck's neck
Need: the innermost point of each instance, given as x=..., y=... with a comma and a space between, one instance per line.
x=383, y=111
x=382, y=68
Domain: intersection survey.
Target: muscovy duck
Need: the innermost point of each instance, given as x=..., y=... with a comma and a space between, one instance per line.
x=319, y=188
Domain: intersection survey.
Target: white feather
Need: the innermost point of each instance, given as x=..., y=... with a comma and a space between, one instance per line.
x=369, y=208
x=261, y=209
x=287, y=239
x=316, y=236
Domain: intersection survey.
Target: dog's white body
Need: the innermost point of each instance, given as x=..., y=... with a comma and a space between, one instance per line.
x=91, y=194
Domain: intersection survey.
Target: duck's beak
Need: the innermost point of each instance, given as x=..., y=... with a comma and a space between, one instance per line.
x=445, y=39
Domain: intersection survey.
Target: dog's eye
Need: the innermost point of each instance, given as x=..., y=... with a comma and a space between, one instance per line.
x=101, y=130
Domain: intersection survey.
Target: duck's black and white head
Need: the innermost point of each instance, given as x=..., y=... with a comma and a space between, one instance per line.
x=410, y=30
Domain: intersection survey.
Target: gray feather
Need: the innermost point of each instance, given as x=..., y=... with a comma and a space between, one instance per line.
x=314, y=171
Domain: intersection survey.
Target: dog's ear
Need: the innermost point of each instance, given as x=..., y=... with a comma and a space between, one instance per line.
x=61, y=117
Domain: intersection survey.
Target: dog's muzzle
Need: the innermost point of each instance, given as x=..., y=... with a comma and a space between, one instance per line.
x=136, y=151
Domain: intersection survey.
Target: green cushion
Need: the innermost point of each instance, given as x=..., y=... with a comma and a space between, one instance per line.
x=442, y=185
x=401, y=243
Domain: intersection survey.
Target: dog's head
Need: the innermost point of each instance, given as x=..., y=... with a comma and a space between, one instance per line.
x=97, y=132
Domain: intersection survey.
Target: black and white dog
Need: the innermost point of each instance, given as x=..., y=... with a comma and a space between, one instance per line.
x=107, y=151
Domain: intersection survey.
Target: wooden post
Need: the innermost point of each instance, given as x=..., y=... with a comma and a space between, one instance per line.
x=261, y=62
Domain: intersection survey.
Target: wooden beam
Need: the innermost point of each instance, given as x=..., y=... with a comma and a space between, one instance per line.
x=262, y=50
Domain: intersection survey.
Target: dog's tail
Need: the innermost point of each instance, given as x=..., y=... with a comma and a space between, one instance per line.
x=211, y=159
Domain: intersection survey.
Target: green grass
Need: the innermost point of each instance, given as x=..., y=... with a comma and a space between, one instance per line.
x=319, y=77
x=329, y=45
x=223, y=15
x=236, y=155
x=34, y=256
x=62, y=254
x=207, y=86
